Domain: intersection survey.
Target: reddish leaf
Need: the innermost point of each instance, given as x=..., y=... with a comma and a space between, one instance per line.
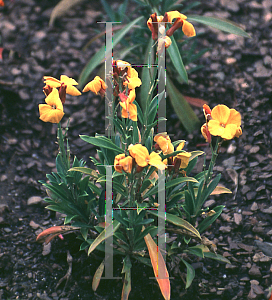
x=195, y=101
x=159, y=267
x=48, y=234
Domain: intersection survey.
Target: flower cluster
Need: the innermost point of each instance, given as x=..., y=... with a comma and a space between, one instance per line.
x=139, y=156
x=125, y=81
x=221, y=121
x=52, y=111
x=180, y=21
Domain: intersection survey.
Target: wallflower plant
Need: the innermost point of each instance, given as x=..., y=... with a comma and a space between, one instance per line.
x=141, y=167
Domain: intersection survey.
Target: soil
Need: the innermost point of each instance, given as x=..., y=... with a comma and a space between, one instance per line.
x=237, y=72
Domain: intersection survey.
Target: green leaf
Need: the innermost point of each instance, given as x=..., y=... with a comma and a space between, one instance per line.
x=170, y=184
x=85, y=170
x=190, y=273
x=209, y=220
x=216, y=257
x=180, y=223
x=107, y=232
x=196, y=250
x=218, y=23
x=102, y=142
x=99, y=57
x=176, y=59
x=182, y=108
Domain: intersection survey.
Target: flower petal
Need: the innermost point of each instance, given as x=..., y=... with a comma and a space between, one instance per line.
x=48, y=114
x=234, y=118
x=215, y=128
x=71, y=90
x=174, y=15
x=51, y=81
x=220, y=113
x=229, y=132
x=67, y=80
x=188, y=29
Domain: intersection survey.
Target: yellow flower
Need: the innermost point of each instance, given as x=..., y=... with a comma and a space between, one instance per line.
x=225, y=122
x=140, y=154
x=53, y=110
x=129, y=110
x=187, y=28
x=132, y=79
x=97, y=85
x=156, y=161
x=164, y=143
x=142, y=157
x=123, y=163
x=64, y=80
x=181, y=160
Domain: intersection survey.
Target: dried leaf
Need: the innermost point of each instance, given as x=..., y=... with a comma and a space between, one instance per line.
x=97, y=276
x=221, y=190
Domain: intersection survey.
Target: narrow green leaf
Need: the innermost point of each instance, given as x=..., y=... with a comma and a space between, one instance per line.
x=176, y=59
x=102, y=142
x=216, y=257
x=180, y=223
x=107, y=232
x=182, y=108
x=99, y=57
x=209, y=220
x=218, y=23
x=85, y=170
x=190, y=273
x=170, y=184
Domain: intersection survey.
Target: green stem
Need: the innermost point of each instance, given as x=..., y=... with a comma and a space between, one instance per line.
x=212, y=162
x=62, y=151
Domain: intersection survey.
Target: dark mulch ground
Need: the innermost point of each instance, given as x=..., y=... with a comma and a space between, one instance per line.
x=237, y=72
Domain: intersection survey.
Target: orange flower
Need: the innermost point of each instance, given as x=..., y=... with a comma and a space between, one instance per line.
x=97, y=85
x=129, y=110
x=140, y=154
x=238, y=132
x=152, y=24
x=2, y=3
x=181, y=160
x=156, y=161
x=206, y=134
x=164, y=143
x=65, y=81
x=225, y=122
x=187, y=28
x=207, y=112
x=132, y=80
x=142, y=157
x=123, y=163
x=53, y=110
